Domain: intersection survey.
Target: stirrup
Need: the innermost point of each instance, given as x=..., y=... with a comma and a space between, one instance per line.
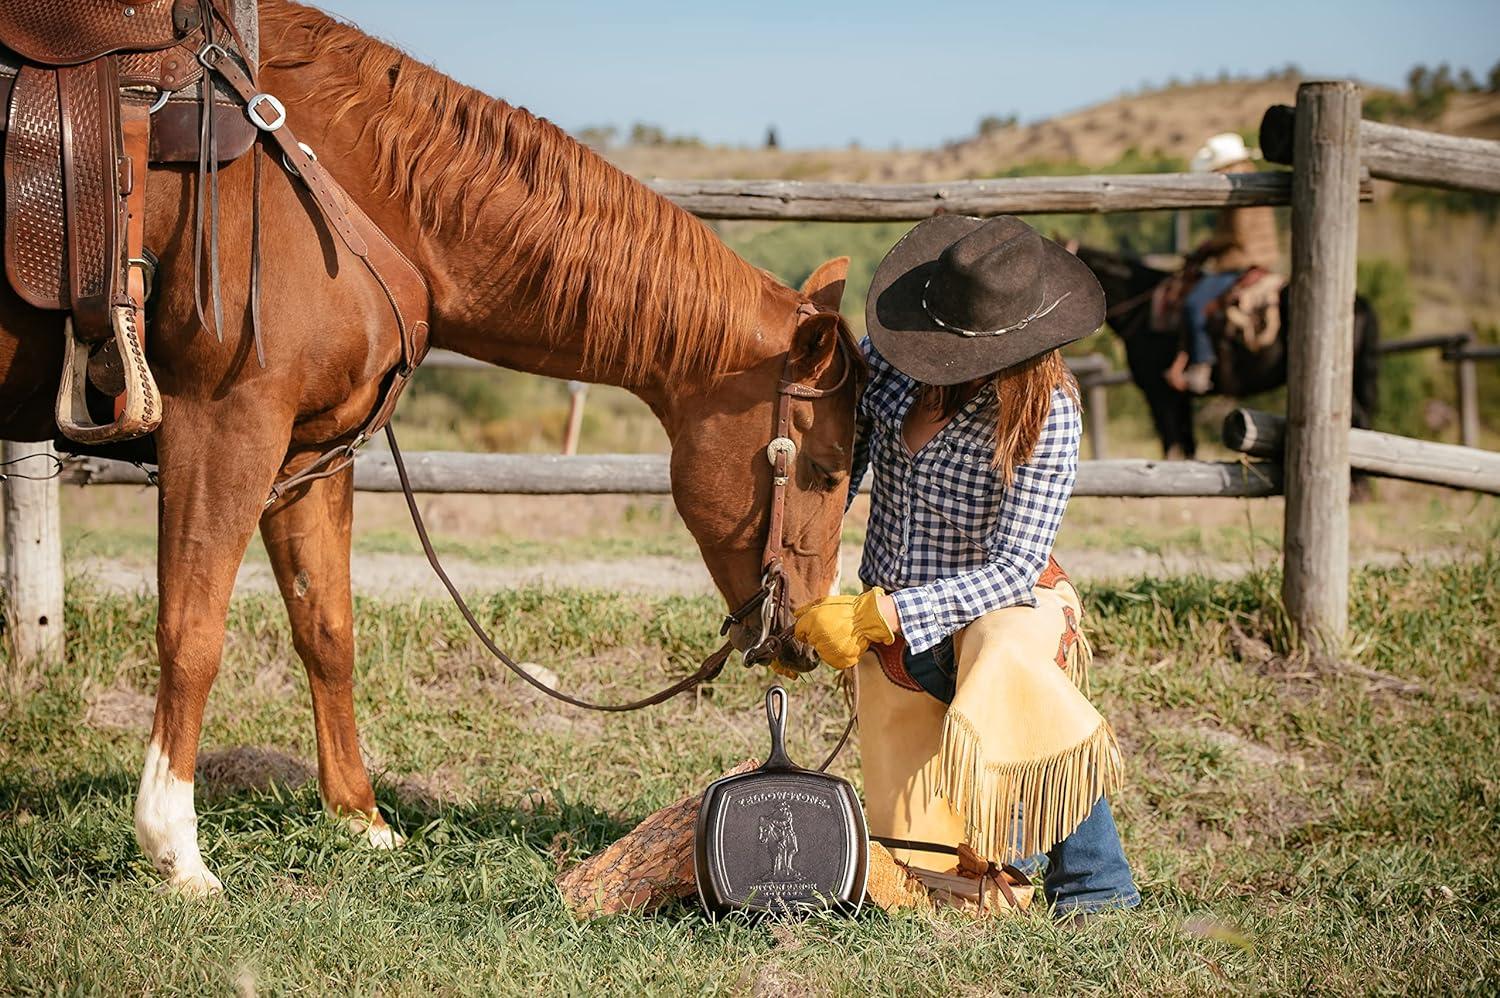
x=138, y=406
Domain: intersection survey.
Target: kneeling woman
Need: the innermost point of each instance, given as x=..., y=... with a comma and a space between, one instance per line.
x=974, y=724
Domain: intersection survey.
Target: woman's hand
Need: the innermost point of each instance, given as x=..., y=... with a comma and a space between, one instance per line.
x=841, y=628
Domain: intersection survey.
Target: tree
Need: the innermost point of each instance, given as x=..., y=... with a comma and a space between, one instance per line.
x=992, y=123
x=772, y=141
x=1495, y=78
x=597, y=136
x=1466, y=81
x=1416, y=81
x=643, y=134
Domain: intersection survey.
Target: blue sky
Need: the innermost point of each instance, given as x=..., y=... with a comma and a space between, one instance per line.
x=882, y=73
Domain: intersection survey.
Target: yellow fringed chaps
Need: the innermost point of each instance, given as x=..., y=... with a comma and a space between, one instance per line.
x=1018, y=759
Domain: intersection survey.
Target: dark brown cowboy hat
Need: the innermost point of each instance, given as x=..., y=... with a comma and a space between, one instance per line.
x=959, y=298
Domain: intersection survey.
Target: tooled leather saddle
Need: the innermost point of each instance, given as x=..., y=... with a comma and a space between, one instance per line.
x=93, y=91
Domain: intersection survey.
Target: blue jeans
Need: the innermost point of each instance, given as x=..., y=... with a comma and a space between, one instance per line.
x=1195, y=312
x=1085, y=872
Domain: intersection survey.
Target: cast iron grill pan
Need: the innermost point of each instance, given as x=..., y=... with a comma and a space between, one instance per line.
x=782, y=839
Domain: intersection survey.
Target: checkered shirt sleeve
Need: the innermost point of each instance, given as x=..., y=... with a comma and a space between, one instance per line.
x=1030, y=512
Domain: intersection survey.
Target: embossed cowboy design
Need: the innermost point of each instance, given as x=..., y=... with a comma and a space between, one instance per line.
x=778, y=834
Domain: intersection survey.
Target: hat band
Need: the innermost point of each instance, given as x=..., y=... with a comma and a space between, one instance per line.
x=1040, y=311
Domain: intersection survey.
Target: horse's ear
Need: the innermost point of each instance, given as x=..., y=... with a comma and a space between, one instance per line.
x=825, y=286
x=814, y=343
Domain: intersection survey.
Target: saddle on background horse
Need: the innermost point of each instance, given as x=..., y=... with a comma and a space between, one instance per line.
x=93, y=91
x=1249, y=313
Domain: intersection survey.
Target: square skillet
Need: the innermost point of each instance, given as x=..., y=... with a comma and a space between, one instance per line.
x=781, y=839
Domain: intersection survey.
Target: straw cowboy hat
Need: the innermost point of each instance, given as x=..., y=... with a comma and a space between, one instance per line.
x=1224, y=149
x=959, y=298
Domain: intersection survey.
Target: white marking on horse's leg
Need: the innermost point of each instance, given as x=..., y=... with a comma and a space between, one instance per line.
x=167, y=827
x=376, y=833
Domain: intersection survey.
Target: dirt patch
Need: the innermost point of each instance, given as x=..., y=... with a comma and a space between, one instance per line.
x=443, y=785
x=120, y=708
x=251, y=767
x=1249, y=752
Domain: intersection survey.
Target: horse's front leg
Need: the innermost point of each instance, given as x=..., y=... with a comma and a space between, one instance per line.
x=217, y=461
x=308, y=538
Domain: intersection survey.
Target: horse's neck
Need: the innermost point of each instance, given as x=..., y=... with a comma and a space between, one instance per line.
x=473, y=264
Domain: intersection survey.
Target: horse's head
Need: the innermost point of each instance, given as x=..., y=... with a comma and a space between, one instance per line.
x=777, y=433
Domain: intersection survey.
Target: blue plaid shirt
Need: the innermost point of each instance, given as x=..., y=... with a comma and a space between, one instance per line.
x=945, y=538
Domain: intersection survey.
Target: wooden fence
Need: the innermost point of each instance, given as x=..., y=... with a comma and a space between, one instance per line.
x=1335, y=155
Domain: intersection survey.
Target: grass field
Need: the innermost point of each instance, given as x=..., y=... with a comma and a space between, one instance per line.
x=1293, y=829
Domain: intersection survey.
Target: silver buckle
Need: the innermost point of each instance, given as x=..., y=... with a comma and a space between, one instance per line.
x=307, y=151
x=148, y=274
x=252, y=111
x=211, y=53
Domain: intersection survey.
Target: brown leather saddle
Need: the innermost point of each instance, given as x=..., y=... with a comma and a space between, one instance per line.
x=93, y=91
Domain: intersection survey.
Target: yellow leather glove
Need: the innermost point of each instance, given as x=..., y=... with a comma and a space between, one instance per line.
x=842, y=628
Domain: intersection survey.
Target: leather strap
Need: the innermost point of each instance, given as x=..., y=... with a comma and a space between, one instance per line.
x=708, y=670
x=135, y=128
x=403, y=284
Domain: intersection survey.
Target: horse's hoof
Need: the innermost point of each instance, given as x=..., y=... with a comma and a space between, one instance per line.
x=198, y=883
x=374, y=831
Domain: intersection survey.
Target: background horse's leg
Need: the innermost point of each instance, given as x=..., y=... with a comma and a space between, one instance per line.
x=308, y=540
x=215, y=474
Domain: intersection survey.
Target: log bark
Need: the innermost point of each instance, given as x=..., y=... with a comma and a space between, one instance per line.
x=1393, y=152
x=1320, y=366
x=1262, y=434
x=33, y=554
x=648, y=867
x=849, y=202
x=647, y=474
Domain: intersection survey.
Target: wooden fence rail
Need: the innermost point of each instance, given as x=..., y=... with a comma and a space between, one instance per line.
x=1263, y=435
x=792, y=200
x=1406, y=155
x=1459, y=350
x=648, y=474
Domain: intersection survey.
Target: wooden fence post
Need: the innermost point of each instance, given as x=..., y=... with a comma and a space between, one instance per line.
x=1466, y=373
x=1096, y=412
x=1325, y=230
x=33, y=554
x=578, y=393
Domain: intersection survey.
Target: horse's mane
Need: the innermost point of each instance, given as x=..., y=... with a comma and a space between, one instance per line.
x=652, y=288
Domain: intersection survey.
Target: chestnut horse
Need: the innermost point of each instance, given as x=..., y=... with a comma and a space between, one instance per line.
x=540, y=257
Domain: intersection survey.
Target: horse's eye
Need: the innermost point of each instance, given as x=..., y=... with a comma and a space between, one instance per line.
x=824, y=479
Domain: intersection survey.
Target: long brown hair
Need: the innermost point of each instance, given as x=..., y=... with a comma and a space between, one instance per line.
x=1023, y=396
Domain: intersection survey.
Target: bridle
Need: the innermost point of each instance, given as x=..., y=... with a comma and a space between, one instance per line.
x=771, y=599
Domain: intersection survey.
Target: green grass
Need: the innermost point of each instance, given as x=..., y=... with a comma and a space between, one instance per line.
x=1292, y=829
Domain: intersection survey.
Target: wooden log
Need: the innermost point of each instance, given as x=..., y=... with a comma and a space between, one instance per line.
x=848, y=202
x=1393, y=152
x=1320, y=368
x=647, y=474
x=649, y=866
x=33, y=553
x=1263, y=435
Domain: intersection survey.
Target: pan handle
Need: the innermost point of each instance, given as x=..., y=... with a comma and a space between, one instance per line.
x=776, y=708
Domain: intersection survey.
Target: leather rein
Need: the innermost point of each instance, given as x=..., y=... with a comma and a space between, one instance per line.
x=771, y=600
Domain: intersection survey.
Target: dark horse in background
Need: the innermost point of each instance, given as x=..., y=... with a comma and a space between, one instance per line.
x=1239, y=372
